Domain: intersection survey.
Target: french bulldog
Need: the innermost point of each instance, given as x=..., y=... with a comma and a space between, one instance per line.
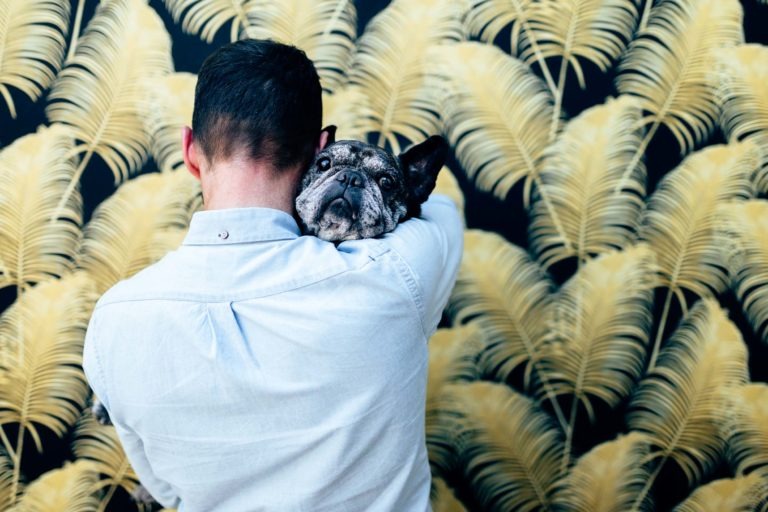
x=356, y=190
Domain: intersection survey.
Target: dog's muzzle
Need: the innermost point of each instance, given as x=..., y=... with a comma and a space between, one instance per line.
x=344, y=196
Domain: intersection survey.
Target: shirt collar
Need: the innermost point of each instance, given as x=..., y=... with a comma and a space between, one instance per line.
x=240, y=225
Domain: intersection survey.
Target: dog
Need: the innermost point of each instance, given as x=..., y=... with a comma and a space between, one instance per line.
x=355, y=190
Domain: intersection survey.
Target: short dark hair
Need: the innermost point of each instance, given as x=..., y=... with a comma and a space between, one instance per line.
x=261, y=96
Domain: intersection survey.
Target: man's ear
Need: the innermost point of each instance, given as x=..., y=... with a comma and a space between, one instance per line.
x=327, y=136
x=189, y=151
x=421, y=163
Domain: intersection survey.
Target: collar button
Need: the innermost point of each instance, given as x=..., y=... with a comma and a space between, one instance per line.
x=223, y=234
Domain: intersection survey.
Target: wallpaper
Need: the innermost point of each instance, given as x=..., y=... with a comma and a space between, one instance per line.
x=605, y=345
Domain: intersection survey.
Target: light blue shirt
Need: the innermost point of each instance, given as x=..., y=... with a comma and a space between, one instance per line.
x=255, y=369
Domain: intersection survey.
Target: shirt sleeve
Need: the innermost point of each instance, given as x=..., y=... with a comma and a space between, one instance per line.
x=131, y=442
x=431, y=247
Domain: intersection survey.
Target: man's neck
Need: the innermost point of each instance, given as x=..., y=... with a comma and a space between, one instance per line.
x=238, y=183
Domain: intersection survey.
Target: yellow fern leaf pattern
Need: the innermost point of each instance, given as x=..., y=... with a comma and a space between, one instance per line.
x=668, y=65
x=600, y=328
x=172, y=99
x=584, y=216
x=744, y=72
x=748, y=432
x=452, y=354
x=608, y=477
x=679, y=220
x=511, y=448
x=67, y=488
x=100, y=93
x=745, y=231
x=35, y=172
x=100, y=445
x=389, y=65
x=32, y=42
x=496, y=113
x=604, y=346
x=139, y=224
x=682, y=406
x=740, y=494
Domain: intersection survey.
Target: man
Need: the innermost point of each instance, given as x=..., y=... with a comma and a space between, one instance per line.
x=255, y=369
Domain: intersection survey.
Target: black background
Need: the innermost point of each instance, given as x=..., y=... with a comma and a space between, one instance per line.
x=483, y=211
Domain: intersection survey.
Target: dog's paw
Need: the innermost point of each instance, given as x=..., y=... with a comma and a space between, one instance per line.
x=140, y=494
x=100, y=412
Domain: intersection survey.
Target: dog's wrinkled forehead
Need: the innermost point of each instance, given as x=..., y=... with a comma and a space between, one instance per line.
x=365, y=157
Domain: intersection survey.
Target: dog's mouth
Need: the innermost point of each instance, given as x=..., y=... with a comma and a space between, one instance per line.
x=340, y=207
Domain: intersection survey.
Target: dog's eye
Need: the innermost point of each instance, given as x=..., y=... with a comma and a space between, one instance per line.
x=324, y=163
x=385, y=182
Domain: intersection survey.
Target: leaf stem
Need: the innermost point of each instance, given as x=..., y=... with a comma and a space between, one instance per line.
x=638, y=154
x=7, y=443
x=72, y=184
x=569, y=434
x=648, y=484
x=558, y=99
x=645, y=16
x=552, y=398
x=107, y=497
x=75, y=31
x=660, y=331
x=17, y=465
x=536, y=52
x=19, y=319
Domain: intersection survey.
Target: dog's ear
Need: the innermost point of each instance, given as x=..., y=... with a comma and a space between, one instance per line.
x=327, y=136
x=421, y=163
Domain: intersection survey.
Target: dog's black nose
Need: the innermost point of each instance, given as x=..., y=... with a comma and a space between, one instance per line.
x=351, y=178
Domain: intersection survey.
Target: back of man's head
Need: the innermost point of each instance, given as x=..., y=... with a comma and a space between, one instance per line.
x=259, y=98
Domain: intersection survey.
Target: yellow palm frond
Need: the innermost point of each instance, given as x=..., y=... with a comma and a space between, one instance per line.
x=579, y=175
x=607, y=478
x=137, y=225
x=748, y=439
x=594, y=30
x=669, y=66
x=510, y=448
x=32, y=41
x=324, y=29
x=101, y=93
x=35, y=170
x=389, y=65
x=452, y=355
x=496, y=113
x=100, y=445
x=172, y=99
x=47, y=388
x=349, y=110
x=744, y=228
x=508, y=297
x=741, y=494
x=602, y=320
x=682, y=404
x=681, y=216
x=744, y=73
x=6, y=477
x=68, y=488
x=442, y=498
x=448, y=185
x=487, y=18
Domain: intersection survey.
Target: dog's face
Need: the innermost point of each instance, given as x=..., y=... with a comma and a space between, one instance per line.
x=357, y=190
